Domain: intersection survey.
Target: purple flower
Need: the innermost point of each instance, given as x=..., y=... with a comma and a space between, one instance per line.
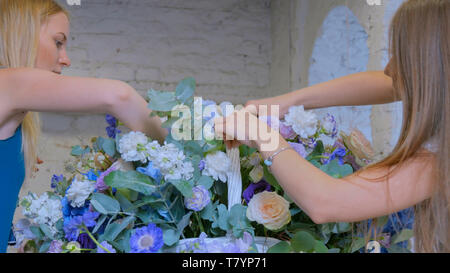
x=338, y=153
x=112, y=121
x=147, y=239
x=100, y=185
x=329, y=125
x=310, y=142
x=55, y=246
x=286, y=131
x=56, y=179
x=255, y=188
x=201, y=165
x=299, y=148
x=107, y=246
x=112, y=130
x=86, y=241
x=199, y=200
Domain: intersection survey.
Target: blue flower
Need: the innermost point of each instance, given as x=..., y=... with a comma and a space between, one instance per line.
x=91, y=175
x=56, y=179
x=338, y=153
x=147, y=239
x=107, y=246
x=73, y=226
x=112, y=130
x=150, y=171
x=69, y=212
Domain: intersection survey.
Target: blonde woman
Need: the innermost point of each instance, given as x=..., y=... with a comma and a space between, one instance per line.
x=416, y=173
x=33, y=40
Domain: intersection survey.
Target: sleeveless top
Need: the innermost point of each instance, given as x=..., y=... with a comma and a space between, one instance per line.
x=12, y=169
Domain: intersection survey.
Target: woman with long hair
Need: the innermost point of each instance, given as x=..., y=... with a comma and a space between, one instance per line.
x=416, y=173
x=33, y=40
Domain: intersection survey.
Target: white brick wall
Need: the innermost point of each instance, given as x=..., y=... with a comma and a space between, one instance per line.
x=224, y=45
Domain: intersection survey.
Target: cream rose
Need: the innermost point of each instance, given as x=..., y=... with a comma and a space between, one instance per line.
x=269, y=209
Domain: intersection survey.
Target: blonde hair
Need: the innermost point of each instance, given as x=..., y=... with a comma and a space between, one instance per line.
x=20, y=22
x=419, y=49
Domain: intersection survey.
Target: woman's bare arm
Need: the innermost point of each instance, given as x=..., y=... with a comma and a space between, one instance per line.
x=27, y=89
x=365, y=88
x=355, y=197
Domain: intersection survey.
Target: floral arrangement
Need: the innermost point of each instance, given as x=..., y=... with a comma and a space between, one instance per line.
x=129, y=193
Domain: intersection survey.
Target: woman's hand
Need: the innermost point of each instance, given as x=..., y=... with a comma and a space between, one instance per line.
x=281, y=102
x=243, y=127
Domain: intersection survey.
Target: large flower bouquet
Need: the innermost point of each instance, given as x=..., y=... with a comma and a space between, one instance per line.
x=129, y=193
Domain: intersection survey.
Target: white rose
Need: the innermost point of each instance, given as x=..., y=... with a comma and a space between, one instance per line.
x=79, y=191
x=304, y=123
x=217, y=165
x=269, y=209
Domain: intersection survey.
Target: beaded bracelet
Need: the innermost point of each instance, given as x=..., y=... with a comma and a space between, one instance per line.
x=269, y=160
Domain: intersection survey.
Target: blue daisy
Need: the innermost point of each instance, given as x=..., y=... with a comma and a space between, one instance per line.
x=147, y=239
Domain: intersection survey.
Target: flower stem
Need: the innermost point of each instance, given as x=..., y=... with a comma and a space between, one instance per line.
x=200, y=223
x=93, y=239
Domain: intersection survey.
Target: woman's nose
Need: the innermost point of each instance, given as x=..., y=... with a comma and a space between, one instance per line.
x=64, y=60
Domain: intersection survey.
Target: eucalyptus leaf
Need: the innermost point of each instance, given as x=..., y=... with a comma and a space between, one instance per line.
x=109, y=146
x=105, y=204
x=302, y=241
x=37, y=232
x=403, y=235
x=170, y=237
x=76, y=150
x=130, y=180
x=161, y=100
x=47, y=232
x=184, y=186
x=281, y=247
x=185, y=89
x=113, y=229
x=320, y=247
x=45, y=246
x=206, y=181
x=357, y=244
x=100, y=222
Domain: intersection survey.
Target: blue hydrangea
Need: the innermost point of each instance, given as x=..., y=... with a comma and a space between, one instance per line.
x=147, y=239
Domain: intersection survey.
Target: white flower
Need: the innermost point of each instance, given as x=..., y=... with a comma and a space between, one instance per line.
x=304, y=123
x=171, y=163
x=43, y=210
x=79, y=191
x=217, y=165
x=132, y=147
x=269, y=209
x=152, y=149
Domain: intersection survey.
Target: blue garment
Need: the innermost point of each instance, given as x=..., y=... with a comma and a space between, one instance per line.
x=12, y=174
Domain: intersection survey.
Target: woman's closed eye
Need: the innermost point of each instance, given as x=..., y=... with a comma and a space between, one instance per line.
x=59, y=44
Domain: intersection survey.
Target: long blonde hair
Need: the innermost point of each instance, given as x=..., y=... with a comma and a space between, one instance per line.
x=420, y=52
x=20, y=22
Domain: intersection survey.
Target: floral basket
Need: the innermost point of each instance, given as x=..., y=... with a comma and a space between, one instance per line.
x=128, y=193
